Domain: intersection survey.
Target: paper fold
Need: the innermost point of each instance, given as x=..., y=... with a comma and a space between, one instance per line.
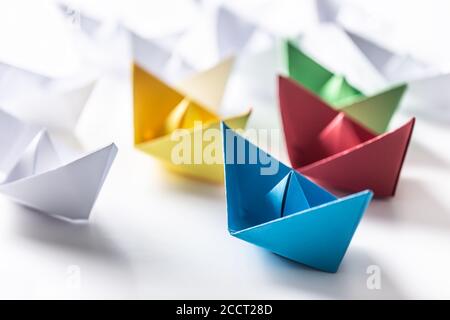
x=285, y=212
x=40, y=180
x=335, y=149
x=166, y=115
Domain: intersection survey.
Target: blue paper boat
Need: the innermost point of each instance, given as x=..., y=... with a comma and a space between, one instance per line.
x=284, y=212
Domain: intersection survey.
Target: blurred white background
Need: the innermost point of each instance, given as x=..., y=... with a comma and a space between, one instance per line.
x=153, y=234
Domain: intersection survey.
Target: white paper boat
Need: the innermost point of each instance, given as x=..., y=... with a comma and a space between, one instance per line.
x=34, y=176
x=48, y=102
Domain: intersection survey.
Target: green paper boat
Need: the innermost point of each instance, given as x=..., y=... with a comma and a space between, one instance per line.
x=375, y=112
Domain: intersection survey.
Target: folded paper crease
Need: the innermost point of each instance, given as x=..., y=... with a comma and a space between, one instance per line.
x=374, y=111
x=331, y=147
x=35, y=176
x=285, y=212
x=166, y=115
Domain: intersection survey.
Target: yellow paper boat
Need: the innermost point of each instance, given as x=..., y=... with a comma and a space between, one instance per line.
x=179, y=125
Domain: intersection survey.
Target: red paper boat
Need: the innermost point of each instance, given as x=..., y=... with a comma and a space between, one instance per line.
x=336, y=150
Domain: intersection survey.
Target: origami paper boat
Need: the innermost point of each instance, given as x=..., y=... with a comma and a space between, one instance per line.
x=427, y=86
x=374, y=67
x=161, y=110
x=49, y=102
x=285, y=212
x=218, y=33
x=34, y=176
x=336, y=150
x=158, y=57
x=375, y=112
x=392, y=67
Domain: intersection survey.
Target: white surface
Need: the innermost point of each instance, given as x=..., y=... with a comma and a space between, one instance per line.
x=156, y=235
